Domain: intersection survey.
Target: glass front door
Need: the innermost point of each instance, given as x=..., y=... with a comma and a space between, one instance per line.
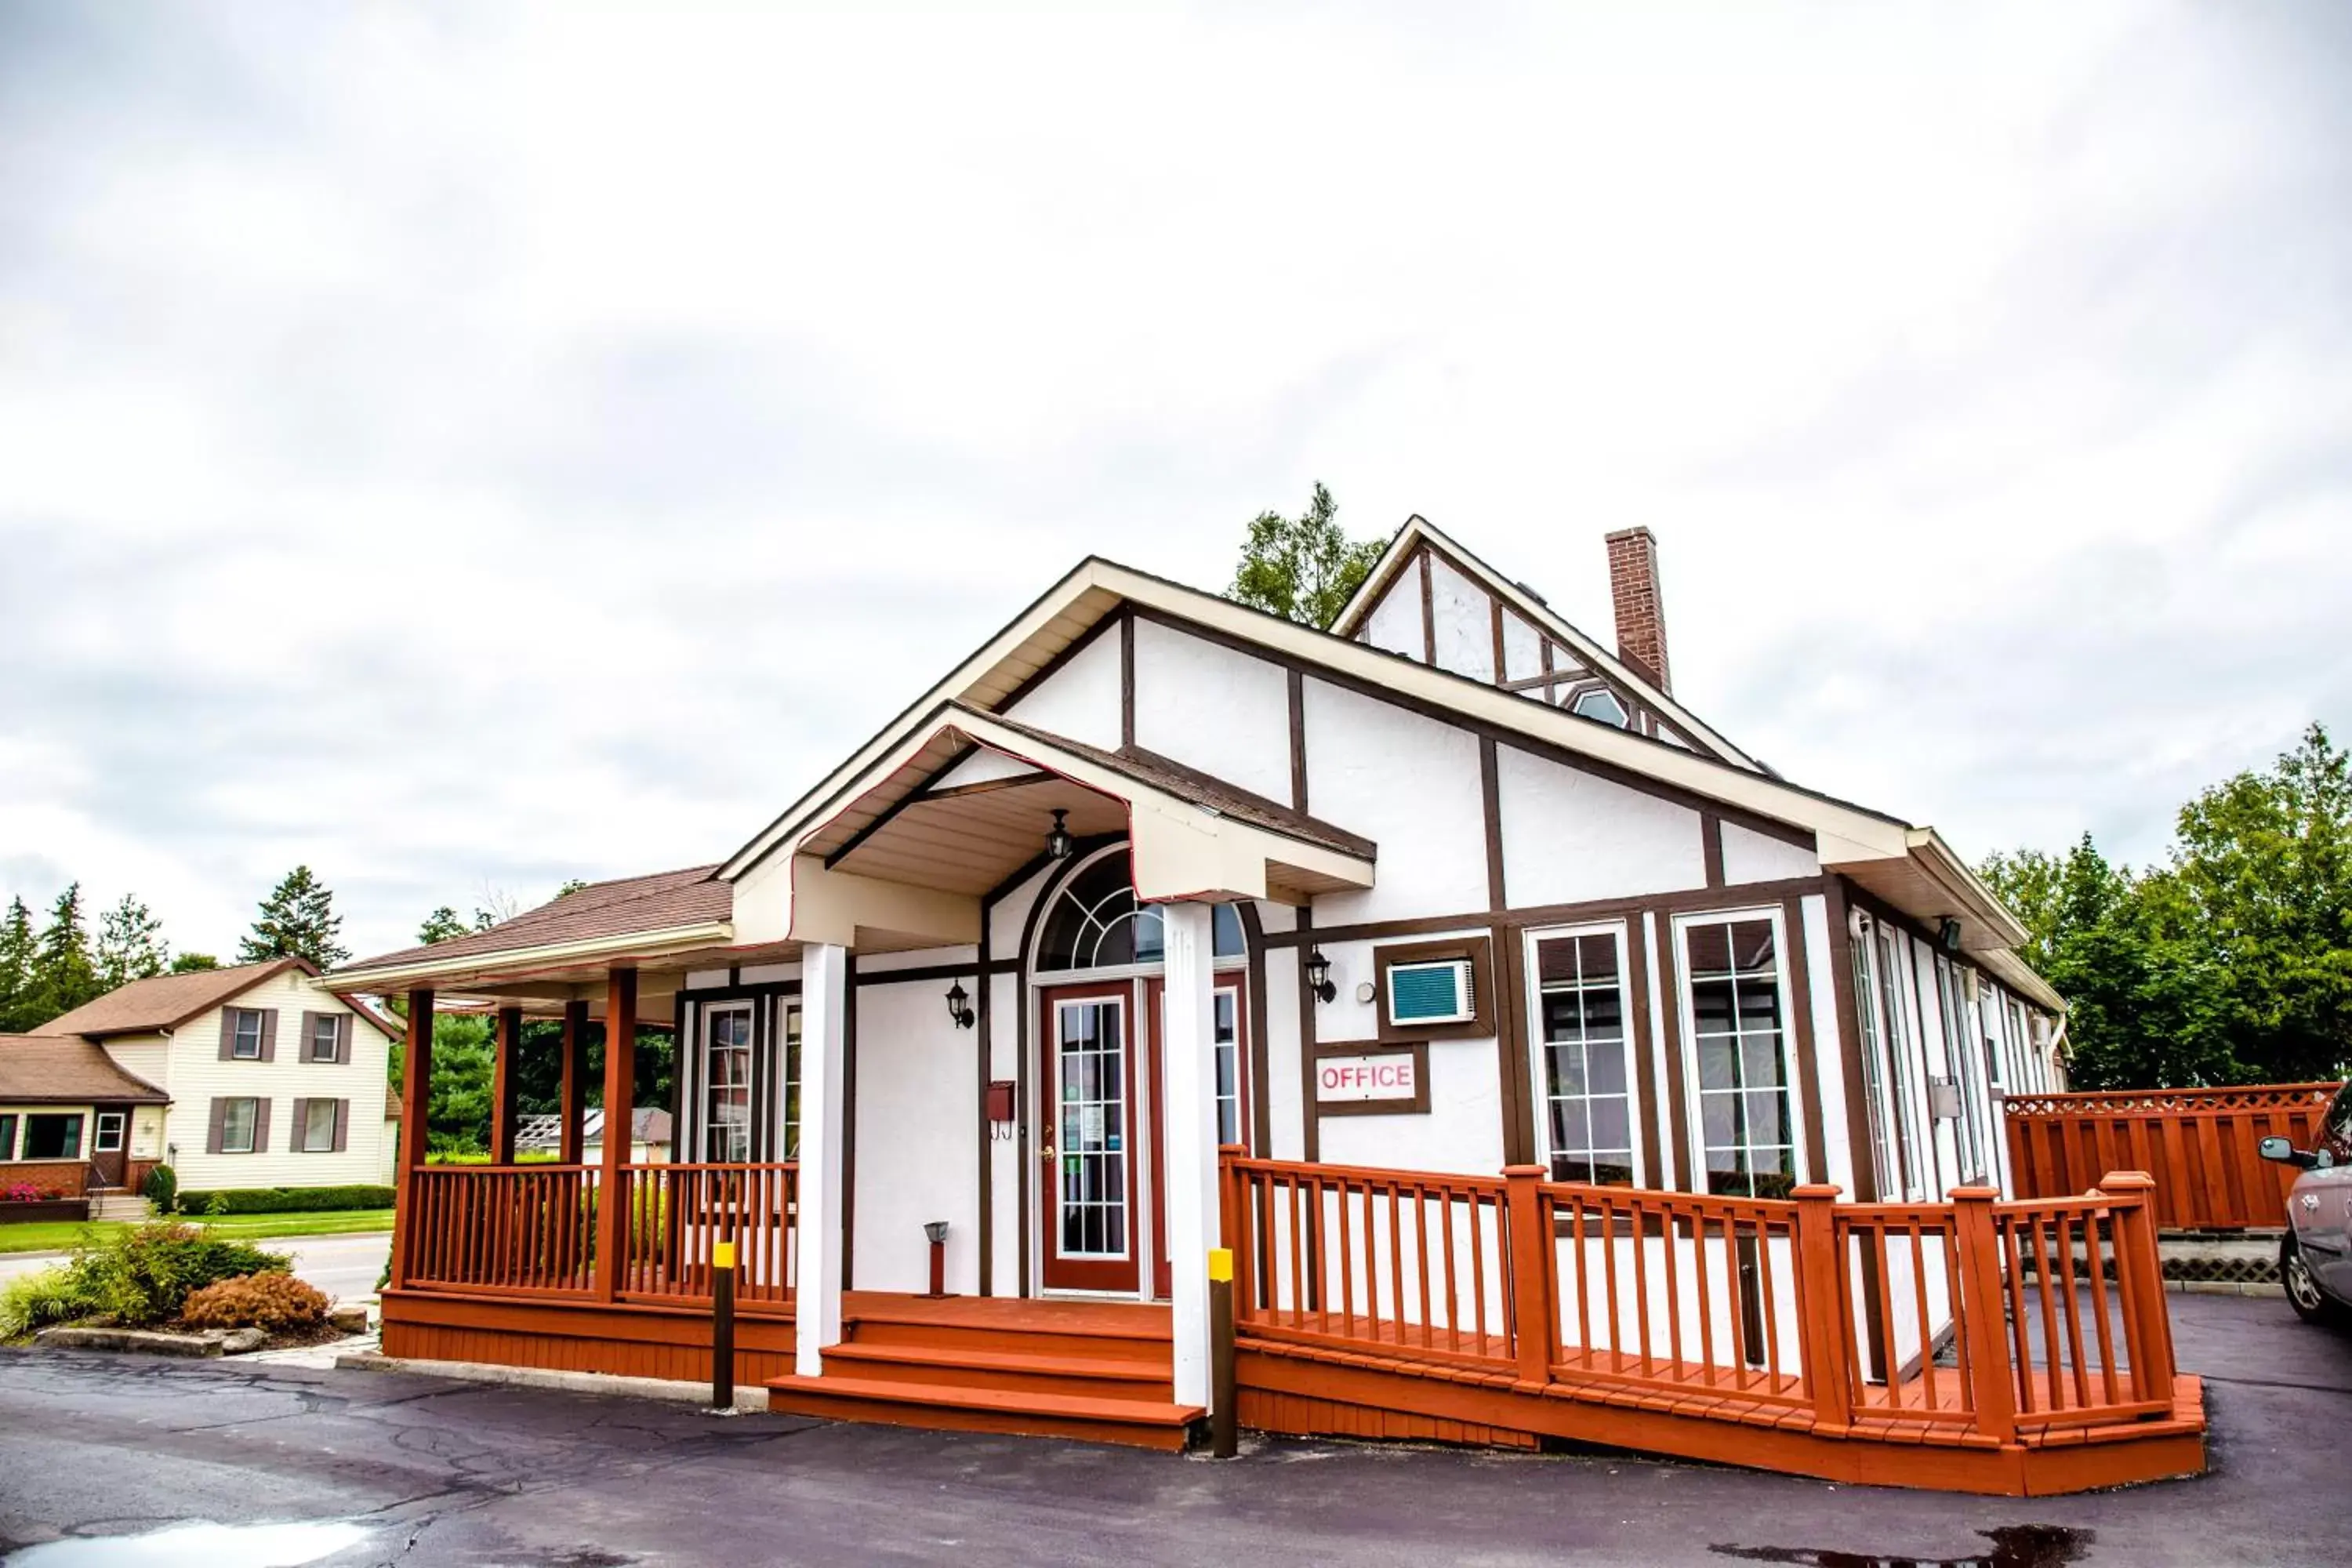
x=1086, y=1148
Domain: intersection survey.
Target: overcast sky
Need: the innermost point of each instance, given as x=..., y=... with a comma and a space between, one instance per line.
x=464, y=449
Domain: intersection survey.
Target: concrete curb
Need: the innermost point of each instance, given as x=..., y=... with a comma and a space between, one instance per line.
x=208, y=1343
x=607, y=1384
x=2226, y=1288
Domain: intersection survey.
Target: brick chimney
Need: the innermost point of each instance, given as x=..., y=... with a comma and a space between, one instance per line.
x=1634, y=595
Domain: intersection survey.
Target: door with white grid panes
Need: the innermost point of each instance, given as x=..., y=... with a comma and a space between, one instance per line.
x=1087, y=1144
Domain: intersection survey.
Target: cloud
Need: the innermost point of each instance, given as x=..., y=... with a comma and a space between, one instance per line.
x=463, y=445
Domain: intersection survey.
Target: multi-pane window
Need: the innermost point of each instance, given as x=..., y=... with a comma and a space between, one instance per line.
x=792, y=1085
x=1747, y=1131
x=245, y=1034
x=1898, y=1050
x=726, y=1084
x=1588, y=1092
x=239, y=1121
x=326, y=1037
x=1090, y=1063
x=7, y=1136
x=1883, y=1155
x=1097, y=923
x=107, y=1140
x=318, y=1130
x=1228, y=1070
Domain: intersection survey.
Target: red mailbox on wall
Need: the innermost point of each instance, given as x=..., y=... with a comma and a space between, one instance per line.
x=1000, y=1101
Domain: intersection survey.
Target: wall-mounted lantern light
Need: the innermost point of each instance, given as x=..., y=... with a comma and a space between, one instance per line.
x=960, y=1005
x=1318, y=976
x=1948, y=934
x=1057, y=842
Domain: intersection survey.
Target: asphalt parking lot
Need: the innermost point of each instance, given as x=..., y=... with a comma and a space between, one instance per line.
x=390, y=1468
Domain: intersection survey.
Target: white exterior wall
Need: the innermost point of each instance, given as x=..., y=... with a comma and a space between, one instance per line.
x=1752, y=856
x=917, y=1136
x=197, y=1076
x=1409, y=784
x=1462, y=1131
x=1570, y=836
x=1212, y=709
x=1395, y=623
x=1081, y=700
x=1464, y=616
x=1522, y=647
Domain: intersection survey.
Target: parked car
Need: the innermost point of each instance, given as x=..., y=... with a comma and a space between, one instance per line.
x=2315, y=1256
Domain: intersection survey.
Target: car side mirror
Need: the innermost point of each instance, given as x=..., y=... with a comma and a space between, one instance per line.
x=2285, y=1154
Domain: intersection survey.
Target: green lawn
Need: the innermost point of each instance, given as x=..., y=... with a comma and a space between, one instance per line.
x=63, y=1235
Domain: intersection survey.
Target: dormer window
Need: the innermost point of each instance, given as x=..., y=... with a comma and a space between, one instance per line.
x=1603, y=704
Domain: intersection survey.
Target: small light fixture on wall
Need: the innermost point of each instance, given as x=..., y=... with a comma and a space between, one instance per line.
x=1059, y=843
x=1318, y=976
x=960, y=1005
x=1948, y=934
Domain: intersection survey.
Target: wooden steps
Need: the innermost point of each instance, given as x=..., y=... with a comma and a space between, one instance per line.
x=1098, y=1372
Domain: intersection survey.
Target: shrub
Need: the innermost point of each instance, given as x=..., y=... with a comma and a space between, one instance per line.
x=287, y=1200
x=142, y=1275
x=33, y=1301
x=161, y=1189
x=272, y=1301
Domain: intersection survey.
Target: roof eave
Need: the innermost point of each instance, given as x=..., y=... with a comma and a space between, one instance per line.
x=663, y=941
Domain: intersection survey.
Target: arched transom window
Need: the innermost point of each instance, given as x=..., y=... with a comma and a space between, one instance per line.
x=1098, y=923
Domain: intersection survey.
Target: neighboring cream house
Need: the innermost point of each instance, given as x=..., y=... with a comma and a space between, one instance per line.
x=273, y=1081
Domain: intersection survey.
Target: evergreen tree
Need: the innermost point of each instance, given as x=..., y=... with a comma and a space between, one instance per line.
x=16, y=970
x=65, y=975
x=297, y=920
x=441, y=925
x=1304, y=568
x=129, y=944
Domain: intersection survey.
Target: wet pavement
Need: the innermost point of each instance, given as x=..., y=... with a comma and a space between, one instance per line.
x=431, y=1471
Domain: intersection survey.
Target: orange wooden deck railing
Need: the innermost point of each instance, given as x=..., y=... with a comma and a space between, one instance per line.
x=2198, y=1143
x=678, y=1213
x=520, y=1230
x=1842, y=1315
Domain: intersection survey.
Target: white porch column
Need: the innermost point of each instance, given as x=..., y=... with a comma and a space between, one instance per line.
x=825, y=1001
x=1191, y=1162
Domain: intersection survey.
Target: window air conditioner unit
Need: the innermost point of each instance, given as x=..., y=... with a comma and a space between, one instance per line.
x=1437, y=992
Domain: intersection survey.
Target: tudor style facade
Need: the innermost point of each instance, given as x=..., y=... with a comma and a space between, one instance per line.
x=1449, y=890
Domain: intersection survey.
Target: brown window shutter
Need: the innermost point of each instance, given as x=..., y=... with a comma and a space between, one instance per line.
x=213, y=1132
x=229, y=1038
x=301, y=1125
x=268, y=1039
x=343, y=1123
x=261, y=1119
x=309, y=1028
x=344, y=1041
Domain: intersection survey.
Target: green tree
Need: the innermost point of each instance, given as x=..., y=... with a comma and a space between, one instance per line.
x=190, y=962
x=1304, y=568
x=298, y=920
x=442, y=925
x=65, y=975
x=17, y=970
x=129, y=944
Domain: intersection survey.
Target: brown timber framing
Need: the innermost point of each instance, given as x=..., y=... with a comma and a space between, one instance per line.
x=1127, y=677
x=1710, y=844
x=1645, y=1069
x=1533, y=746
x=1310, y=1136
x=984, y=1063
x=1850, y=1039
x=1428, y=611
x=1297, y=682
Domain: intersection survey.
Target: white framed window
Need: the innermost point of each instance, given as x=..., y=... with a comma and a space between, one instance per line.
x=725, y=1083
x=108, y=1139
x=245, y=1034
x=788, y=1092
x=240, y=1124
x=1885, y=993
x=317, y=1132
x=1735, y=1006
x=325, y=1043
x=1229, y=1067
x=1961, y=1049
x=1886, y=1162
x=1603, y=704
x=1582, y=1040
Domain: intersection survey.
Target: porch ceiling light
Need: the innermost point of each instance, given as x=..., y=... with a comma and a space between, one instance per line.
x=1318, y=976
x=960, y=1005
x=1059, y=843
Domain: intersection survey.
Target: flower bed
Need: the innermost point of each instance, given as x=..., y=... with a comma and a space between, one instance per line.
x=15, y=1210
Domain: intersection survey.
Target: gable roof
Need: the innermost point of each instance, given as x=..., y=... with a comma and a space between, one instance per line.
x=66, y=1069
x=167, y=1000
x=625, y=907
x=1418, y=530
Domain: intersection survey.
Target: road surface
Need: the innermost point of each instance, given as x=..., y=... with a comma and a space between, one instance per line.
x=346, y=1266
x=384, y=1467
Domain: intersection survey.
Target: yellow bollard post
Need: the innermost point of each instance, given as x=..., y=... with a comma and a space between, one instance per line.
x=722, y=1325
x=1225, y=1420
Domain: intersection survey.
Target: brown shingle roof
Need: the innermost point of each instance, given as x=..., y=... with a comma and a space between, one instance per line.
x=66, y=1069
x=167, y=1000
x=662, y=901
